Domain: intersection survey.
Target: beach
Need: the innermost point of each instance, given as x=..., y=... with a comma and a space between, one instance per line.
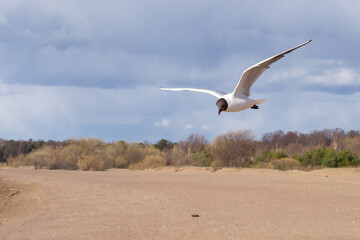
x=185, y=203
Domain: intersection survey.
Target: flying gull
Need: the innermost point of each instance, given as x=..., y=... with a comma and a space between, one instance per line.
x=239, y=99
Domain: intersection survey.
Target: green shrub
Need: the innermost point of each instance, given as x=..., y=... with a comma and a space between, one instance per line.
x=313, y=157
x=267, y=156
x=284, y=164
x=327, y=157
x=164, y=144
x=201, y=159
x=348, y=159
x=278, y=154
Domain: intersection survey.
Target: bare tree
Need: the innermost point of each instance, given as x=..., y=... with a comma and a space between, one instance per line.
x=289, y=138
x=273, y=140
x=234, y=149
x=337, y=135
x=320, y=138
x=195, y=142
x=352, y=133
x=352, y=144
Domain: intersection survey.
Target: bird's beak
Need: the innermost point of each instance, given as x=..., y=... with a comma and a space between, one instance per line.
x=219, y=111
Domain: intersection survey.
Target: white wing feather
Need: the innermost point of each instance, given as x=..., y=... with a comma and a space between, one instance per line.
x=215, y=93
x=250, y=75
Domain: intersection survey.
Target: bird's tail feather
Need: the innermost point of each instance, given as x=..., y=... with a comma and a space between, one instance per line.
x=260, y=101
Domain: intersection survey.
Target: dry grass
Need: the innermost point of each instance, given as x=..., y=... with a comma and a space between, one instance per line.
x=120, y=162
x=92, y=162
x=18, y=161
x=280, y=164
x=151, y=161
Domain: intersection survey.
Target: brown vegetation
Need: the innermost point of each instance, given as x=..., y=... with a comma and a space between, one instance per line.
x=234, y=149
x=278, y=150
x=150, y=161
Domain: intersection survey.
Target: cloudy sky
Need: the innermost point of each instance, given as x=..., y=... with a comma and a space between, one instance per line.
x=80, y=68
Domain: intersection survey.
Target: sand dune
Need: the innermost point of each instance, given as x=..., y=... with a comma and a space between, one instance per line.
x=186, y=204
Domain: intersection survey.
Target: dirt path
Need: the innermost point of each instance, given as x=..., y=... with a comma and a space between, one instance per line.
x=120, y=204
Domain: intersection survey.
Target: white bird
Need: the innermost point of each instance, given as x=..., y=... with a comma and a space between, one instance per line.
x=239, y=99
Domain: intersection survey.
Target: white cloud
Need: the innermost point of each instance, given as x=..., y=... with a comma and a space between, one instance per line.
x=163, y=123
x=55, y=112
x=188, y=126
x=205, y=127
x=337, y=77
x=296, y=72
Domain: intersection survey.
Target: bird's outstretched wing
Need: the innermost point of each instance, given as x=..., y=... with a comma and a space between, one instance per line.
x=215, y=93
x=250, y=75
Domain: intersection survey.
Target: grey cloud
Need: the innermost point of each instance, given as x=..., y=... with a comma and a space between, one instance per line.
x=114, y=45
x=110, y=59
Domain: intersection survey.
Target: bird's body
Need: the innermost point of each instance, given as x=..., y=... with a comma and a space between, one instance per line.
x=239, y=99
x=236, y=104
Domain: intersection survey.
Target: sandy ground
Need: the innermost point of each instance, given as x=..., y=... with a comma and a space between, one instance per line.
x=187, y=204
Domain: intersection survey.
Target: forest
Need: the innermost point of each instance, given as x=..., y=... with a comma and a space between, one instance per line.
x=277, y=150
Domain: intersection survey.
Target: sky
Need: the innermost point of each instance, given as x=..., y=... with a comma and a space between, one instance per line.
x=84, y=68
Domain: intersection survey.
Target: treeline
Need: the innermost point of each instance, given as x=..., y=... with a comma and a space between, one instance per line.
x=279, y=150
x=12, y=148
